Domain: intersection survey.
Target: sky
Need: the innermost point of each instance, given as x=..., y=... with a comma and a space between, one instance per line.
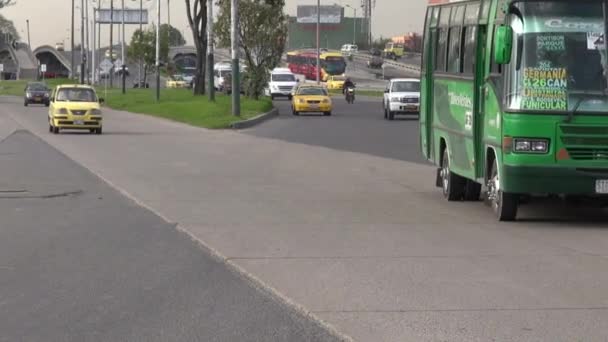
x=50, y=19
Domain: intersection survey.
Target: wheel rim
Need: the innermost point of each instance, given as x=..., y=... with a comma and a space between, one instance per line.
x=445, y=174
x=493, y=188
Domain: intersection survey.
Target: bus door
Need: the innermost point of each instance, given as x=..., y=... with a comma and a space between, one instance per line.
x=480, y=96
x=426, y=91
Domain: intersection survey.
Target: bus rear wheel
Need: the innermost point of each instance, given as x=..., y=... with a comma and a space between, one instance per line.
x=453, y=185
x=503, y=204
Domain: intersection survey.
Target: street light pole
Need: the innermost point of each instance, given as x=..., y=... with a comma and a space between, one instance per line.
x=236, y=91
x=317, y=72
x=28, y=34
x=210, y=61
x=141, y=19
x=122, y=50
x=158, y=51
x=82, y=41
x=88, y=47
x=94, y=50
x=112, y=42
x=72, y=43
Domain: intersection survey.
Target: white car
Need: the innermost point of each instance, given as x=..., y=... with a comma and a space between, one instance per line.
x=402, y=96
x=349, y=49
x=282, y=82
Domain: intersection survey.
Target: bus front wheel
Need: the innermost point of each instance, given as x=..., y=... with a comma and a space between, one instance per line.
x=503, y=204
x=453, y=185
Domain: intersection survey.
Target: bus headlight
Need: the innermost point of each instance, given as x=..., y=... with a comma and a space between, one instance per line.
x=524, y=145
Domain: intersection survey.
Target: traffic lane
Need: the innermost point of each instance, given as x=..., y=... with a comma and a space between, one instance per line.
x=358, y=127
x=78, y=261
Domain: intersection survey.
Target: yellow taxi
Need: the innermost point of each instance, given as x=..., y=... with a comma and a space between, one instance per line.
x=177, y=81
x=335, y=82
x=75, y=107
x=311, y=99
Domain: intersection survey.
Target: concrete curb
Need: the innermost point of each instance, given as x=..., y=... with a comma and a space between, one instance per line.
x=255, y=120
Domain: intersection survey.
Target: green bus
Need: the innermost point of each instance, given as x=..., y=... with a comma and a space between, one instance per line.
x=514, y=98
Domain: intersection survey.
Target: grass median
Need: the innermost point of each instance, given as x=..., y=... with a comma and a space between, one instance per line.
x=175, y=104
x=359, y=92
x=180, y=105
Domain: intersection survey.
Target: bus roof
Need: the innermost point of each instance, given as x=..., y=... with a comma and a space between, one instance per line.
x=443, y=2
x=331, y=54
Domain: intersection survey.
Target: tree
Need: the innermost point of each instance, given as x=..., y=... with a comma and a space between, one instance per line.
x=143, y=48
x=262, y=36
x=197, y=19
x=5, y=3
x=171, y=35
x=7, y=26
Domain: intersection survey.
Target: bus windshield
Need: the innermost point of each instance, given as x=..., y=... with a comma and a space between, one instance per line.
x=334, y=65
x=559, y=57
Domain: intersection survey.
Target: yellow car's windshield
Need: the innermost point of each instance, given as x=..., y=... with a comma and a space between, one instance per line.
x=75, y=95
x=312, y=91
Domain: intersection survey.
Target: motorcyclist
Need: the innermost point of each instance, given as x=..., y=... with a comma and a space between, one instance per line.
x=347, y=84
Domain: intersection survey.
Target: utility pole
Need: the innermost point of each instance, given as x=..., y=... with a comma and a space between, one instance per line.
x=210, y=58
x=88, y=49
x=112, y=42
x=236, y=91
x=141, y=19
x=122, y=50
x=158, y=51
x=72, y=43
x=318, y=71
x=168, y=22
x=28, y=34
x=83, y=57
x=94, y=50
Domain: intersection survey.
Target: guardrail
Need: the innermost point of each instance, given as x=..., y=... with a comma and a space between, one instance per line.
x=391, y=63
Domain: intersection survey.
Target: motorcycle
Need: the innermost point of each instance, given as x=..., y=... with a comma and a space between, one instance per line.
x=350, y=95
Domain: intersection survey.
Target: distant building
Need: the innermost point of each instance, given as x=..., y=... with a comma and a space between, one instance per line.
x=335, y=31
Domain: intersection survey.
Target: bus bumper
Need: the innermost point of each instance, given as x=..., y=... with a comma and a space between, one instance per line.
x=553, y=180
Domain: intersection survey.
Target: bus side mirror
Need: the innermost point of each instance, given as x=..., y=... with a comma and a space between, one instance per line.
x=503, y=45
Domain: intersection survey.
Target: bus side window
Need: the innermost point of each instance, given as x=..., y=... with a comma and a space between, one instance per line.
x=454, y=52
x=441, y=50
x=470, y=49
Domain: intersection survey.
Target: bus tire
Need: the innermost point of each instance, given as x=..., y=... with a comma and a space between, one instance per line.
x=503, y=204
x=472, y=191
x=452, y=185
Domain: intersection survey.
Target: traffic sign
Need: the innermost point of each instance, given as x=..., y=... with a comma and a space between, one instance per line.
x=42, y=67
x=106, y=65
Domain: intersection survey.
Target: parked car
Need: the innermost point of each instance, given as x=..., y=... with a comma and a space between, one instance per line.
x=375, y=62
x=75, y=107
x=401, y=96
x=311, y=99
x=36, y=92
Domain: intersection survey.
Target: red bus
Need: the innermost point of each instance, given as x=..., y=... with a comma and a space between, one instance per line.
x=303, y=62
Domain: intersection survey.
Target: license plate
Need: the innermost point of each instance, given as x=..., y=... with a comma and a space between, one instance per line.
x=314, y=106
x=601, y=186
x=37, y=98
x=78, y=122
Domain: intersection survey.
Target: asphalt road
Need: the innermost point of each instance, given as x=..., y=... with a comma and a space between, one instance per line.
x=79, y=262
x=359, y=127
x=367, y=244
